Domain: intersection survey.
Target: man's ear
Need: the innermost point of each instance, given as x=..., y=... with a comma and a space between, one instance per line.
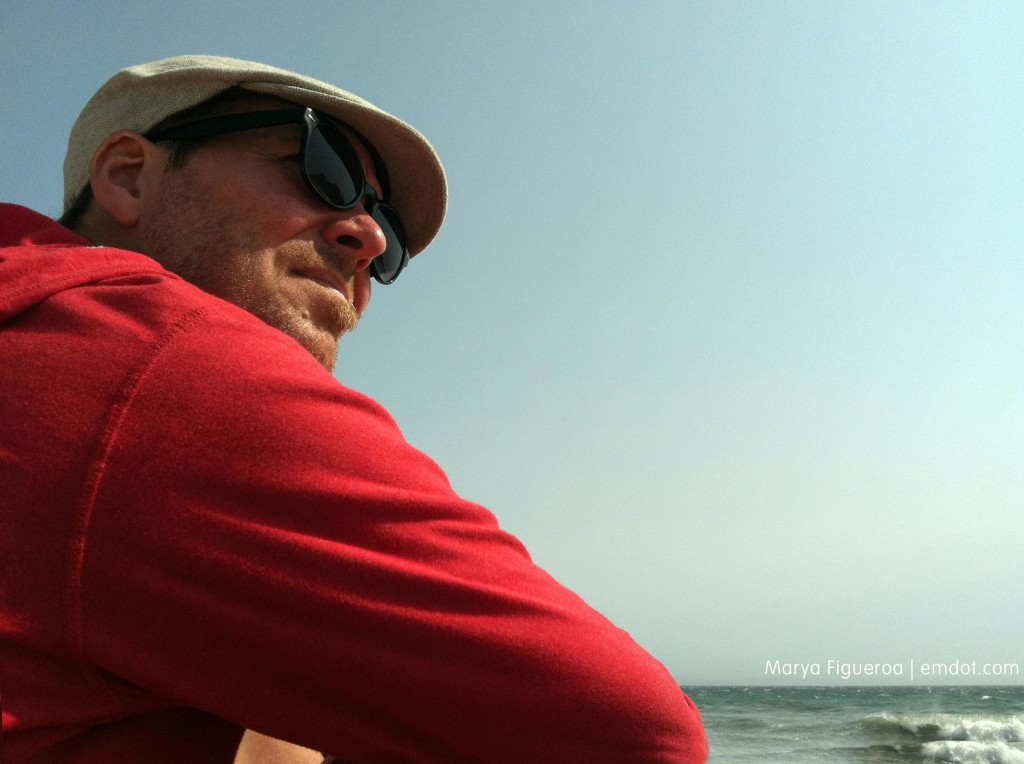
x=124, y=169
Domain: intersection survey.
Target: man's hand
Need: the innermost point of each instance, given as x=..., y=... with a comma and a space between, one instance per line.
x=260, y=749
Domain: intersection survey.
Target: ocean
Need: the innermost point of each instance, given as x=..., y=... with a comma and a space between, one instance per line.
x=867, y=725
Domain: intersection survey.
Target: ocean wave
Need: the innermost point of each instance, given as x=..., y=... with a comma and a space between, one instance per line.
x=974, y=728
x=750, y=723
x=970, y=752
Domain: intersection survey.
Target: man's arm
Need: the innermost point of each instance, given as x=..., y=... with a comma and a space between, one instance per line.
x=298, y=568
x=260, y=749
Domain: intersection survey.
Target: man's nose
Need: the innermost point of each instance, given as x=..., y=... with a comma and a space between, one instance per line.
x=357, y=236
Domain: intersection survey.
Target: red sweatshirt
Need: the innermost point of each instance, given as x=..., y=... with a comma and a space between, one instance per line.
x=203, y=531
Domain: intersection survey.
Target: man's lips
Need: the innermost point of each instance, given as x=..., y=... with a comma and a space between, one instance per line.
x=329, y=279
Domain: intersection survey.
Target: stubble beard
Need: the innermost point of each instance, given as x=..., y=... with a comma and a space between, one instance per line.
x=194, y=242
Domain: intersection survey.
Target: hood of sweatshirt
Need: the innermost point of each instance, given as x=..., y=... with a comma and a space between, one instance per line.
x=39, y=257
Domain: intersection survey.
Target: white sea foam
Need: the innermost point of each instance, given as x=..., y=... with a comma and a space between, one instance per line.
x=968, y=739
x=971, y=752
x=957, y=727
x=1010, y=730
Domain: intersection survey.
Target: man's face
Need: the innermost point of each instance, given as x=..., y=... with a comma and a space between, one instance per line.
x=238, y=221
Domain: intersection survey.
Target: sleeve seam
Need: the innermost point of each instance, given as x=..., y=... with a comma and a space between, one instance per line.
x=82, y=515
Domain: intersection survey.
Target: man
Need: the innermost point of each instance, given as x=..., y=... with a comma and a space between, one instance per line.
x=203, y=530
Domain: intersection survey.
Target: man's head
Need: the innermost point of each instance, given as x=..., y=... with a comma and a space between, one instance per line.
x=279, y=211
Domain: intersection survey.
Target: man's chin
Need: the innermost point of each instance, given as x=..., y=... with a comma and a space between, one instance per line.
x=327, y=352
x=320, y=344
x=327, y=355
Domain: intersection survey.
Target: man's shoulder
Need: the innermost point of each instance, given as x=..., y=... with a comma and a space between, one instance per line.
x=40, y=259
x=117, y=304
x=20, y=225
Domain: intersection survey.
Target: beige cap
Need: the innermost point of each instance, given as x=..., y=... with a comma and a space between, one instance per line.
x=140, y=97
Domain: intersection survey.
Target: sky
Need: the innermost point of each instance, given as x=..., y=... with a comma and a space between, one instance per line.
x=725, y=320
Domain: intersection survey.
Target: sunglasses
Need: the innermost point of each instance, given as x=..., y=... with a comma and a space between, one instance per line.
x=330, y=168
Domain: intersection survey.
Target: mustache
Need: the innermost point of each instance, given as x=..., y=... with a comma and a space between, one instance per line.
x=336, y=262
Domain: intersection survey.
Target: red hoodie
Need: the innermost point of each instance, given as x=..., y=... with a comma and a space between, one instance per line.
x=203, y=531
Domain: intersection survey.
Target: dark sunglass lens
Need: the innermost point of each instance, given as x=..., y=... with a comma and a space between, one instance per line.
x=328, y=168
x=390, y=263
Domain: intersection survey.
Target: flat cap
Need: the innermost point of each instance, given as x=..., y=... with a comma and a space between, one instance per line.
x=140, y=97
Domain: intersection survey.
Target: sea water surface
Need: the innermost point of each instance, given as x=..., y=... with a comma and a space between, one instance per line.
x=868, y=725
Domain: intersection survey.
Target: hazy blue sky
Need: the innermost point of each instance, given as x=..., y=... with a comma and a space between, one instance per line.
x=726, y=317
